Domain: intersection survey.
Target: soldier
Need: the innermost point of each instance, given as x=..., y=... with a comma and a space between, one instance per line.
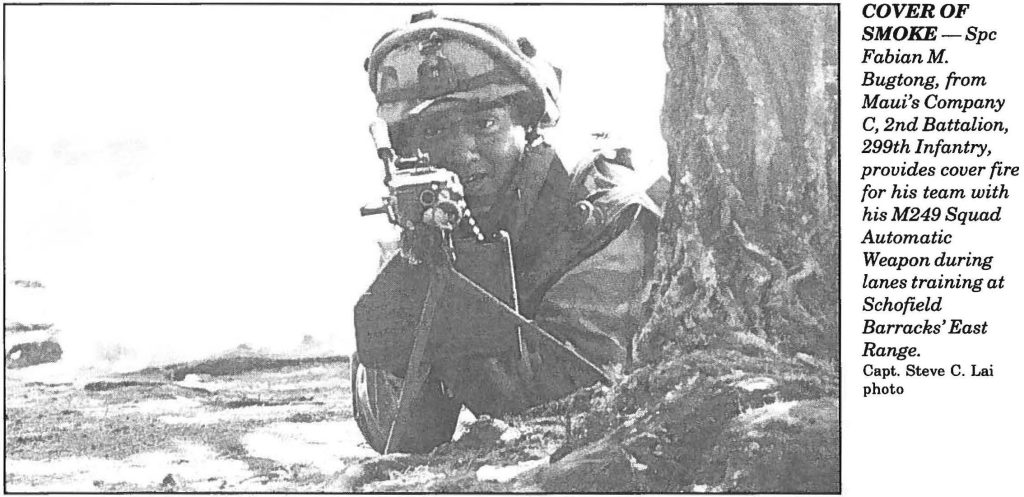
x=475, y=101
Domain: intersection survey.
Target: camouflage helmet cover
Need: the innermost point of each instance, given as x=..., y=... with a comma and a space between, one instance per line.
x=434, y=59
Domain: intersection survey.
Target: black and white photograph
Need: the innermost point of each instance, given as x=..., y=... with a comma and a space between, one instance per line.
x=416, y=248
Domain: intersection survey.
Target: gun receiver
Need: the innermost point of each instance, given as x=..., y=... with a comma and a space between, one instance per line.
x=427, y=202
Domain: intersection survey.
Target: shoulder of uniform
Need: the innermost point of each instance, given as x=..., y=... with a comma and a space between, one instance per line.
x=604, y=185
x=602, y=170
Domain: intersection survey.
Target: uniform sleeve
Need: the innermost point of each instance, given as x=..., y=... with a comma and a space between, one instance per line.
x=595, y=305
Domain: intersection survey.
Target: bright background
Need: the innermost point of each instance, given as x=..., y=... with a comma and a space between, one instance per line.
x=187, y=179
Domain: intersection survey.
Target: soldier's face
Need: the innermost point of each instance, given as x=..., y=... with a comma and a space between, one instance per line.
x=482, y=145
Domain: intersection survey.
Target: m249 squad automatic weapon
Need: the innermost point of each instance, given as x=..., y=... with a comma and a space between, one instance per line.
x=464, y=277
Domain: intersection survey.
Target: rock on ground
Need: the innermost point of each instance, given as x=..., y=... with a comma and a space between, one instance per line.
x=28, y=354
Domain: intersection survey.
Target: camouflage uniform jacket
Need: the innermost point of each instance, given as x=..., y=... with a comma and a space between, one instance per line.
x=582, y=240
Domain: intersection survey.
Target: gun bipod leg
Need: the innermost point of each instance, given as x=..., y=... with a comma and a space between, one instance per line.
x=417, y=369
x=461, y=281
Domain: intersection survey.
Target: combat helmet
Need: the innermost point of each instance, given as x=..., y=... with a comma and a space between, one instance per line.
x=434, y=58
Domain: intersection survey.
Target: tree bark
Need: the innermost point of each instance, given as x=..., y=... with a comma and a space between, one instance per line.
x=749, y=242
x=736, y=387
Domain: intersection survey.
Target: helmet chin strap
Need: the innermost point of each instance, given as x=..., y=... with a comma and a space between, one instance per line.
x=522, y=187
x=503, y=214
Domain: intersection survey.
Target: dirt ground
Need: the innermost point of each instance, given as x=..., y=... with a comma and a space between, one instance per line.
x=285, y=427
x=242, y=421
x=740, y=417
x=238, y=425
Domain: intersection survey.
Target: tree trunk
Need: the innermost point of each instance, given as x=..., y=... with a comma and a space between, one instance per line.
x=736, y=389
x=750, y=237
